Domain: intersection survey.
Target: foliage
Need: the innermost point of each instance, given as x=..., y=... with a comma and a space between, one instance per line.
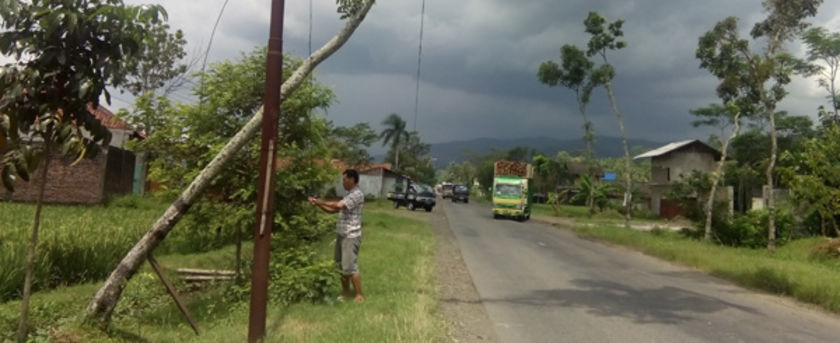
x=157, y=63
x=600, y=192
x=351, y=143
x=463, y=173
x=414, y=159
x=552, y=172
x=750, y=229
x=690, y=191
x=824, y=46
x=815, y=176
x=394, y=133
x=66, y=52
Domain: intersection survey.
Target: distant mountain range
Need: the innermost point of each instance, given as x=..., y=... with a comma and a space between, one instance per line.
x=458, y=151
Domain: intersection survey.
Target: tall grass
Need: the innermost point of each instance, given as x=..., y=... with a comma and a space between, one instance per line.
x=78, y=243
x=397, y=266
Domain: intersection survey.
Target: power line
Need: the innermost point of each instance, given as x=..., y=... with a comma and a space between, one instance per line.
x=419, y=60
x=207, y=53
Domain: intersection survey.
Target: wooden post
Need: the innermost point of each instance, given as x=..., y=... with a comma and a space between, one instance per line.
x=173, y=293
x=265, y=186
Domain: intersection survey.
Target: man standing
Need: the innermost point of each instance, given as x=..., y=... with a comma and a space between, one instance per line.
x=348, y=231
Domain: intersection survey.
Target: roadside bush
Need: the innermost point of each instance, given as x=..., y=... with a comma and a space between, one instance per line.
x=750, y=229
x=295, y=275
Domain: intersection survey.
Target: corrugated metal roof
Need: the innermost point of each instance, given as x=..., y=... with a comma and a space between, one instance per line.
x=666, y=149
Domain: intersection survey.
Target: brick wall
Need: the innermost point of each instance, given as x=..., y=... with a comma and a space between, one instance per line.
x=82, y=183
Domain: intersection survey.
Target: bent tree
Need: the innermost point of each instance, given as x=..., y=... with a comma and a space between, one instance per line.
x=101, y=307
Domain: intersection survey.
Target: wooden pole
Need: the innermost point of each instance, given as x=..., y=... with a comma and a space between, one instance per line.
x=265, y=187
x=173, y=293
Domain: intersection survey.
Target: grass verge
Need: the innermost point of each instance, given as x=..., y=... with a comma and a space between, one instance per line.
x=397, y=265
x=791, y=271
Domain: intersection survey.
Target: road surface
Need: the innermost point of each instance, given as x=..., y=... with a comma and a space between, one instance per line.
x=539, y=283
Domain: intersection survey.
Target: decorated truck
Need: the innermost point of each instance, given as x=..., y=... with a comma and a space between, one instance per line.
x=512, y=190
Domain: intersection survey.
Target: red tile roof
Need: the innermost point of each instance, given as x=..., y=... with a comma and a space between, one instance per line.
x=108, y=119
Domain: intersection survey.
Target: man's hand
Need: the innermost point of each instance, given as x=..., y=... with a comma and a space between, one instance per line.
x=313, y=200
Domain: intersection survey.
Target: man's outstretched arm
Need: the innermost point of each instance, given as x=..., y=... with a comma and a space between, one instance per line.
x=327, y=206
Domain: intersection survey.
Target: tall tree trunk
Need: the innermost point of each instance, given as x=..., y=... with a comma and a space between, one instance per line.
x=771, y=200
x=834, y=225
x=718, y=175
x=102, y=305
x=397, y=157
x=587, y=140
x=628, y=179
x=33, y=243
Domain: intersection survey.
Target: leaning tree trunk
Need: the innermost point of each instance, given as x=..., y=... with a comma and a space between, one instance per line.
x=771, y=200
x=628, y=179
x=103, y=303
x=710, y=203
x=33, y=243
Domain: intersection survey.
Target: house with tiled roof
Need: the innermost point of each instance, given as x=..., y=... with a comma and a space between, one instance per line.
x=114, y=171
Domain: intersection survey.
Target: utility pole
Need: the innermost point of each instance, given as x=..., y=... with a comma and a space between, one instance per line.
x=265, y=186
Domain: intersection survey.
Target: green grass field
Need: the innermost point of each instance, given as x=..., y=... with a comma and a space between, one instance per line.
x=397, y=265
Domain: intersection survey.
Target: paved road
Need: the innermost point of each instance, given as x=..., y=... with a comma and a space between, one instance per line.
x=543, y=284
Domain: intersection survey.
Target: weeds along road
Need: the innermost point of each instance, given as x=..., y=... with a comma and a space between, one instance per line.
x=543, y=284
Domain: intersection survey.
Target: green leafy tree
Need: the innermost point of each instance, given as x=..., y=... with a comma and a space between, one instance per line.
x=101, y=307
x=574, y=72
x=815, y=178
x=67, y=53
x=463, y=173
x=351, y=143
x=785, y=20
x=605, y=37
x=158, y=67
x=416, y=162
x=824, y=46
x=394, y=133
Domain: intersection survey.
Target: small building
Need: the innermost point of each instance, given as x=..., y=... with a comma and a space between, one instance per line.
x=114, y=171
x=672, y=162
x=375, y=179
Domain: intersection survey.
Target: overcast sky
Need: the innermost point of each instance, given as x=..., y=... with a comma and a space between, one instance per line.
x=480, y=59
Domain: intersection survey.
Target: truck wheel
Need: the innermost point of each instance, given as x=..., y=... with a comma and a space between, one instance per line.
x=429, y=209
x=396, y=204
x=495, y=216
x=411, y=206
x=466, y=201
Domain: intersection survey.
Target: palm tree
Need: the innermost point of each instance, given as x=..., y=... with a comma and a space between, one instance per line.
x=394, y=133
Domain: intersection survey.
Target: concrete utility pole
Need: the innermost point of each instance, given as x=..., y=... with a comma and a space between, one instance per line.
x=265, y=186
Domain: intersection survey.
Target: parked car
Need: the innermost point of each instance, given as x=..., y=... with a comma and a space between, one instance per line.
x=446, y=190
x=416, y=196
x=460, y=193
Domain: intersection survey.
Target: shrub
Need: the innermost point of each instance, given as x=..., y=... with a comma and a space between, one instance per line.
x=750, y=229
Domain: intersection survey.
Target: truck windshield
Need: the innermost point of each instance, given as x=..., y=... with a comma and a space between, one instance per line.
x=508, y=190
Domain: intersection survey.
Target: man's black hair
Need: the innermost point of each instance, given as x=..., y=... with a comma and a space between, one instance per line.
x=353, y=174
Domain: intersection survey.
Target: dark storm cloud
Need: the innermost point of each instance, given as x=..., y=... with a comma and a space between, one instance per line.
x=480, y=59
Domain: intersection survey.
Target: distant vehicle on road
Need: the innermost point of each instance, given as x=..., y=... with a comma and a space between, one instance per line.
x=446, y=190
x=416, y=195
x=460, y=193
x=512, y=190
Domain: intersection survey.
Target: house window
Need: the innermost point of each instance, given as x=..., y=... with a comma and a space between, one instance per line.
x=668, y=174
